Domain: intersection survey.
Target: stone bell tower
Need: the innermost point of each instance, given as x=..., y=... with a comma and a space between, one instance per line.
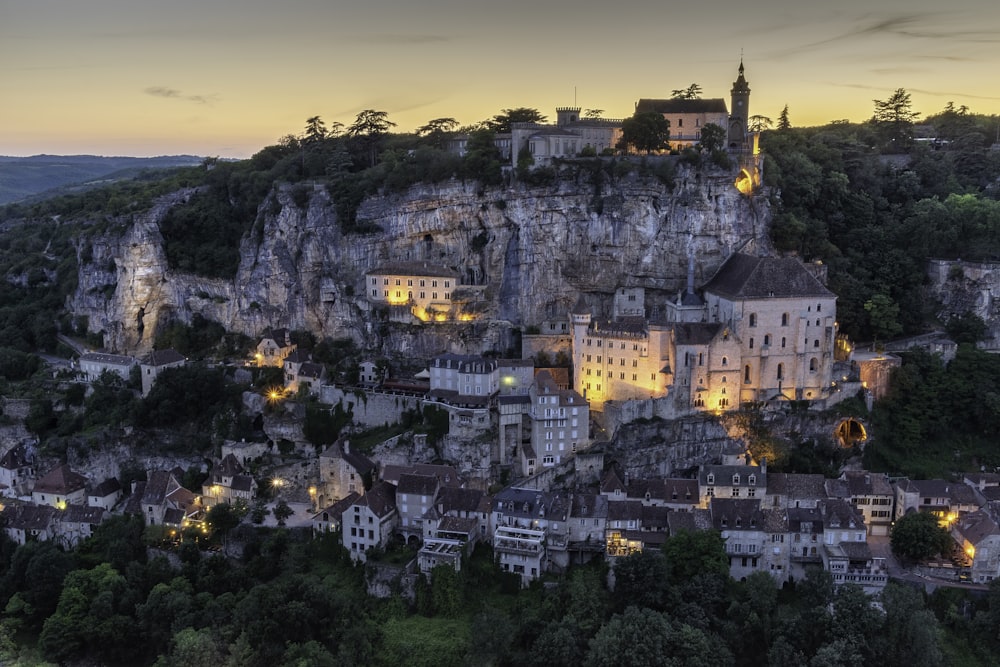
x=739, y=113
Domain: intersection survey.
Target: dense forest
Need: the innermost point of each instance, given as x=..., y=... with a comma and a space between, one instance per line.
x=294, y=601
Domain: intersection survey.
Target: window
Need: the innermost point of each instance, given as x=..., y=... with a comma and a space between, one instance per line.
x=725, y=362
x=813, y=365
x=784, y=319
x=397, y=282
x=781, y=371
x=782, y=341
x=736, y=478
x=751, y=343
x=746, y=374
x=767, y=339
x=701, y=358
x=710, y=478
x=816, y=343
x=753, y=320
x=819, y=307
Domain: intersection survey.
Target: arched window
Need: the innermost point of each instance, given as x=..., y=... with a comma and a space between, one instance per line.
x=784, y=319
x=746, y=374
x=781, y=371
x=813, y=365
x=753, y=319
x=816, y=343
x=725, y=361
x=751, y=343
x=782, y=341
x=767, y=339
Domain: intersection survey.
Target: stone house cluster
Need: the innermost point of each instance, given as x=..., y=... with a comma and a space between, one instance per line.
x=94, y=364
x=65, y=506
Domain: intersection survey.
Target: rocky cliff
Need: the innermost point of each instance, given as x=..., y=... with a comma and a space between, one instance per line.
x=530, y=252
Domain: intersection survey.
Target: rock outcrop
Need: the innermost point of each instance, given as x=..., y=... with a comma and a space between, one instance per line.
x=543, y=248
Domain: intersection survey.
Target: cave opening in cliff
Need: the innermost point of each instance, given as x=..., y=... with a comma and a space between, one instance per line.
x=850, y=432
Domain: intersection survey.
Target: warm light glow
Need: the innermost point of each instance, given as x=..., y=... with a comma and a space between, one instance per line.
x=312, y=490
x=397, y=300
x=744, y=182
x=466, y=317
x=971, y=551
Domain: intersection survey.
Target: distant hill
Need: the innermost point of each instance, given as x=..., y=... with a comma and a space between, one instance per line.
x=23, y=177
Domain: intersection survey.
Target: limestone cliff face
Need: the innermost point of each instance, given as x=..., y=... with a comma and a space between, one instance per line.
x=968, y=287
x=543, y=248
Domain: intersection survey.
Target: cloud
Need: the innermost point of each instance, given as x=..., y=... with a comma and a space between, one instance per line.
x=913, y=26
x=170, y=93
x=921, y=91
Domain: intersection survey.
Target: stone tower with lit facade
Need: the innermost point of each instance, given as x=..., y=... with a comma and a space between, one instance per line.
x=740, y=114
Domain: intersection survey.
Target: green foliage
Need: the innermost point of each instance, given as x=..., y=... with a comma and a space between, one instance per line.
x=713, y=137
x=323, y=424
x=646, y=132
x=190, y=398
x=917, y=536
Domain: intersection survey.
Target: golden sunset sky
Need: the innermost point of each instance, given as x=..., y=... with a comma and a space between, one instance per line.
x=228, y=77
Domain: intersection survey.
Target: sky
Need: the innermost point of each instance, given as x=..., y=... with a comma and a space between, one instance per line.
x=228, y=77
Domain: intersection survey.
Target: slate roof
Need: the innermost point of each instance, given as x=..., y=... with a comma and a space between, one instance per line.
x=695, y=333
x=381, y=499
x=977, y=526
x=676, y=106
x=16, y=457
x=454, y=499
x=242, y=483
x=531, y=504
x=418, y=485
x=841, y=514
x=61, y=481
x=298, y=356
x=29, y=516
x=106, y=488
x=797, y=485
x=724, y=476
x=588, y=506
x=413, y=269
x=736, y=514
x=611, y=482
x=335, y=512
x=747, y=277
x=361, y=463
x=82, y=514
x=162, y=358
x=622, y=326
x=667, y=490
x=861, y=483
x=625, y=510
x=311, y=370
x=455, y=524
x=108, y=359
x=697, y=519
x=446, y=475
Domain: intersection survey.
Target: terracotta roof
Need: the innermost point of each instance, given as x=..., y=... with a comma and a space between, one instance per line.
x=747, y=277
x=61, y=481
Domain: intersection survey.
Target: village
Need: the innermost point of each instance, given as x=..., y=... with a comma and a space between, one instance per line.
x=524, y=467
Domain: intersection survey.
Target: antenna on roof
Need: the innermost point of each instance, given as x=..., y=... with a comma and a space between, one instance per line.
x=574, y=96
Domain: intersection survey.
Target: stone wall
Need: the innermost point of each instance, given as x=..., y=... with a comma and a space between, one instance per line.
x=370, y=408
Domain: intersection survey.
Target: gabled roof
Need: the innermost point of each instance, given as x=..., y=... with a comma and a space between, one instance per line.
x=745, y=276
x=446, y=475
x=695, y=333
x=418, y=485
x=61, y=481
x=310, y=369
x=336, y=510
x=162, y=358
x=381, y=499
x=611, y=482
x=83, y=514
x=17, y=457
x=29, y=516
x=229, y=466
x=675, y=106
x=361, y=463
x=588, y=506
x=453, y=499
x=106, y=488
x=298, y=356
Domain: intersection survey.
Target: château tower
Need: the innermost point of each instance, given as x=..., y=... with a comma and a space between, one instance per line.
x=740, y=113
x=567, y=115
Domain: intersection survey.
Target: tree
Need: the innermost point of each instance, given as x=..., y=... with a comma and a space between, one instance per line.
x=713, y=137
x=593, y=114
x=315, y=131
x=637, y=638
x=502, y=122
x=691, y=553
x=783, y=122
x=758, y=123
x=369, y=127
x=917, y=536
x=894, y=118
x=436, y=131
x=222, y=518
x=692, y=92
x=883, y=316
x=646, y=131
x=282, y=512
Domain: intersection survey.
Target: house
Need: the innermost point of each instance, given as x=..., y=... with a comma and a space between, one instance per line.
x=731, y=481
x=687, y=117
x=369, y=522
x=560, y=421
x=415, y=495
x=465, y=504
x=370, y=374
x=76, y=523
x=588, y=519
x=17, y=466
x=978, y=535
x=676, y=494
x=532, y=530
x=786, y=490
x=342, y=471
x=274, y=346
x=446, y=540
x=622, y=529
x=28, y=522
x=106, y=494
x=945, y=500
x=155, y=363
x=330, y=520
x=423, y=289
x=465, y=386
x=228, y=483
x=60, y=487
x=871, y=493
x=743, y=527
x=93, y=364
x=845, y=553
x=161, y=500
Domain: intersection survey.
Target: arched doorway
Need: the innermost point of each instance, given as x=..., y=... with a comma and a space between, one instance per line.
x=850, y=432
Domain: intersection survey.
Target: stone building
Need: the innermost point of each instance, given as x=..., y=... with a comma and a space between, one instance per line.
x=422, y=288
x=763, y=330
x=155, y=363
